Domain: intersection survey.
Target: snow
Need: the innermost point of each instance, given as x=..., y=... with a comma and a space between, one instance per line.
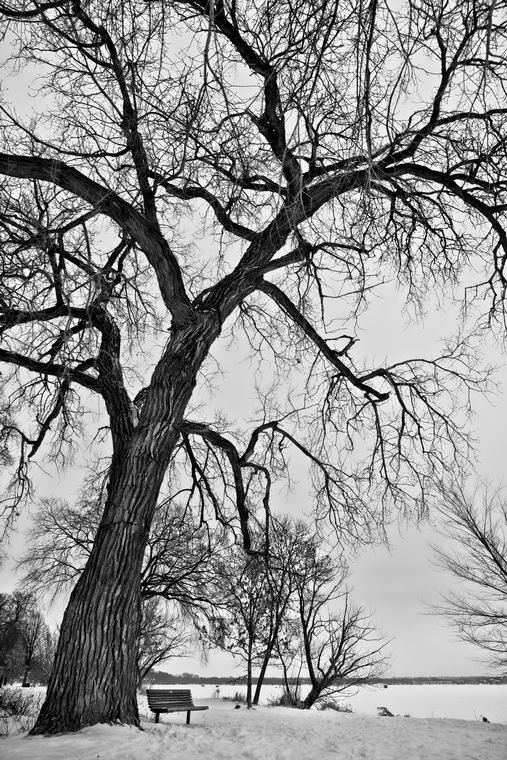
x=461, y=701
x=268, y=733
x=468, y=702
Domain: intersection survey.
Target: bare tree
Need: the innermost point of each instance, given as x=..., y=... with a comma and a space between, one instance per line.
x=477, y=524
x=32, y=634
x=329, y=638
x=245, y=622
x=163, y=636
x=320, y=148
x=288, y=539
x=11, y=611
x=257, y=595
x=43, y=666
x=342, y=650
x=58, y=543
x=23, y=635
x=279, y=607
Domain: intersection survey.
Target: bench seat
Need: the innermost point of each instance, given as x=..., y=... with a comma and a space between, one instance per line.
x=172, y=700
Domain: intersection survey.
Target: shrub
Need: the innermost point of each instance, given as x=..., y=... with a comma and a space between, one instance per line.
x=285, y=699
x=238, y=697
x=18, y=710
x=331, y=704
x=384, y=712
x=19, y=702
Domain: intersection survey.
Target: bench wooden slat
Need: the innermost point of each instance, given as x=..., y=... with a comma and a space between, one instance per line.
x=172, y=700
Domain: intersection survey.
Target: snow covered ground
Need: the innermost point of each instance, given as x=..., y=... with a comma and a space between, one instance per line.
x=466, y=702
x=225, y=733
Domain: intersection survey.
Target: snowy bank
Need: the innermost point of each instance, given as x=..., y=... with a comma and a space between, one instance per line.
x=225, y=733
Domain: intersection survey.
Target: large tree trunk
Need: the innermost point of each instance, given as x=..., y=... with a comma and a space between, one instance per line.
x=94, y=678
x=94, y=675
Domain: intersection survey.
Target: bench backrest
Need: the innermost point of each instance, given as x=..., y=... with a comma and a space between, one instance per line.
x=169, y=697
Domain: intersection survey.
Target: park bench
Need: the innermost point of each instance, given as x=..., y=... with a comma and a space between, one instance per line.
x=171, y=700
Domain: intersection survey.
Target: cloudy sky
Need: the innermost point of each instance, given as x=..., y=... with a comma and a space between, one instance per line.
x=396, y=583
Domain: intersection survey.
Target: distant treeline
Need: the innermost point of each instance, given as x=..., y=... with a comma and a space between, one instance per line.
x=159, y=676
x=420, y=680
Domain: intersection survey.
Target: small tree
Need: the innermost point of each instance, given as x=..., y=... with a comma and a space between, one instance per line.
x=477, y=524
x=288, y=545
x=12, y=607
x=23, y=636
x=334, y=641
x=257, y=593
x=32, y=634
x=342, y=649
x=43, y=665
x=245, y=625
x=163, y=636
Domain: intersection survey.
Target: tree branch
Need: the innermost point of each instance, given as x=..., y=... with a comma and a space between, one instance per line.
x=192, y=191
x=50, y=369
x=222, y=443
x=39, y=9
x=332, y=356
x=156, y=249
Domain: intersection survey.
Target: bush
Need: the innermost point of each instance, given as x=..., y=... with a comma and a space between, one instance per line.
x=384, y=712
x=285, y=699
x=330, y=704
x=238, y=697
x=18, y=710
x=19, y=702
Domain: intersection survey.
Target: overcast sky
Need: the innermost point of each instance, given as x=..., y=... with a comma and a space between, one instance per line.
x=398, y=582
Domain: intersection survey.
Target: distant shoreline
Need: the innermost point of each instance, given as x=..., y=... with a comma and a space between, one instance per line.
x=160, y=676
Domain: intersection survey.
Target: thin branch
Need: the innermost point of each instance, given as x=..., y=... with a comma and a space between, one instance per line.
x=332, y=356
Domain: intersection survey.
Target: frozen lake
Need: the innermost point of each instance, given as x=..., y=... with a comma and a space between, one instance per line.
x=468, y=702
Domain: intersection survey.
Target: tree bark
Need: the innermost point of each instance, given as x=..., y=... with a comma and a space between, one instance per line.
x=94, y=677
x=312, y=697
x=265, y=662
x=249, y=679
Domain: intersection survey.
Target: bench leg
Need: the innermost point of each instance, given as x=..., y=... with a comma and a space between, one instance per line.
x=157, y=716
x=188, y=717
